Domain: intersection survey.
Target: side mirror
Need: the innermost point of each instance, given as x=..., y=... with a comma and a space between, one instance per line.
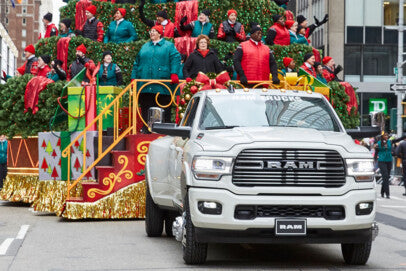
x=155, y=114
x=365, y=131
x=171, y=129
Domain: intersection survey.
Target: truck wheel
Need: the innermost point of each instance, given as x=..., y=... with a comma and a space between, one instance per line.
x=356, y=254
x=169, y=219
x=193, y=251
x=154, y=220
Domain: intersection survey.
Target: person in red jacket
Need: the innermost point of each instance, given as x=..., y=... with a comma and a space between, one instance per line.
x=330, y=70
x=43, y=68
x=93, y=28
x=278, y=33
x=169, y=28
x=50, y=29
x=254, y=61
x=308, y=64
x=30, y=65
x=231, y=30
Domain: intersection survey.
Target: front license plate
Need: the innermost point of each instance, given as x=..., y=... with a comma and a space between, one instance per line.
x=290, y=227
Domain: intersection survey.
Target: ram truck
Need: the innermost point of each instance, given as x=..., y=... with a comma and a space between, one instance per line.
x=260, y=166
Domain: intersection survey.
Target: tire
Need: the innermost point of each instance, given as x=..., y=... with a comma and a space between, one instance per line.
x=193, y=252
x=169, y=219
x=154, y=219
x=356, y=254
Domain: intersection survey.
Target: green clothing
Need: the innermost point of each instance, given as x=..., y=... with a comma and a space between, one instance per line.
x=321, y=79
x=384, y=153
x=70, y=34
x=299, y=39
x=123, y=32
x=3, y=152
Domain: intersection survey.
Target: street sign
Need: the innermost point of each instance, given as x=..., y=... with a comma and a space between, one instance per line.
x=398, y=87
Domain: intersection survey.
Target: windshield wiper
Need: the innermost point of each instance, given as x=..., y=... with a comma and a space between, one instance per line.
x=221, y=127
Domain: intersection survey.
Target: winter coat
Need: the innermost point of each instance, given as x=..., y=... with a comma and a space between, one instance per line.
x=57, y=74
x=196, y=63
x=27, y=67
x=93, y=29
x=278, y=34
x=3, y=152
x=384, y=153
x=310, y=70
x=285, y=70
x=51, y=31
x=123, y=32
x=43, y=71
x=321, y=78
x=297, y=39
x=156, y=62
x=110, y=75
x=328, y=74
x=70, y=34
x=237, y=32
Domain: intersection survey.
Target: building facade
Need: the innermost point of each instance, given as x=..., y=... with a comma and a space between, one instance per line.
x=8, y=53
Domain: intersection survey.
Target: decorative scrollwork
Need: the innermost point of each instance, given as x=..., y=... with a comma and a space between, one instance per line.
x=142, y=149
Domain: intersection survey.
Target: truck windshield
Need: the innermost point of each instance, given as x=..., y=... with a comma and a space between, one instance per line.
x=250, y=110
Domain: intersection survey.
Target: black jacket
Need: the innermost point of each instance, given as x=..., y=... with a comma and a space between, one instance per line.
x=196, y=63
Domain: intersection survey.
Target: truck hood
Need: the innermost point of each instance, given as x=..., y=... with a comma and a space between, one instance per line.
x=224, y=140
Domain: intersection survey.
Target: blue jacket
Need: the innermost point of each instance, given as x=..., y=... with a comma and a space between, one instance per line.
x=200, y=29
x=124, y=32
x=111, y=79
x=156, y=62
x=299, y=39
x=3, y=152
x=384, y=154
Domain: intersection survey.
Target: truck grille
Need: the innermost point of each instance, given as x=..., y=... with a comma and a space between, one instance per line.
x=288, y=167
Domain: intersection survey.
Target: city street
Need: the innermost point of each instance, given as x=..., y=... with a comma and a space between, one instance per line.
x=31, y=241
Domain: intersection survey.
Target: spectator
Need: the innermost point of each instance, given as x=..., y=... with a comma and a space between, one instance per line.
x=319, y=71
x=50, y=28
x=93, y=28
x=81, y=62
x=278, y=34
x=110, y=73
x=202, y=59
x=290, y=65
x=201, y=26
x=43, y=68
x=31, y=61
x=157, y=59
x=120, y=30
x=401, y=153
x=308, y=64
x=254, y=61
x=330, y=70
x=161, y=19
x=64, y=29
x=3, y=159
x=231, y=30
x=57, y=73
x=309, y=29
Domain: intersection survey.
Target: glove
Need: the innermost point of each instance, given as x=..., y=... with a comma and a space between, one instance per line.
x=338, y=69
x=104, y=77
x=188, y=80
x=325, y=20
x=243, y=80
x=276, y=81
x=228, y=31
x=183, y=20
x=317, y=22
x=233, y=32
x=174, y=78
x=4, y=77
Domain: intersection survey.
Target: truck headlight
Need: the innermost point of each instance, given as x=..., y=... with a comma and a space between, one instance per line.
x=211, y=168
x=361, y=169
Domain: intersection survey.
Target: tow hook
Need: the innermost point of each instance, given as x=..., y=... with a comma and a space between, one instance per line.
x=375, y=230
x=178, y=227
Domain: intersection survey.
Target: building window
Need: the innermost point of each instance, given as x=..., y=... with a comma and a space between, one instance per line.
x=24, y=33
x=24, y=21
x=352, y=59
x=6, y=20
x=373, y=35
x=23, y=44
x=24, y=10
x=390, y=36
x=391, y=12
x=355, y=34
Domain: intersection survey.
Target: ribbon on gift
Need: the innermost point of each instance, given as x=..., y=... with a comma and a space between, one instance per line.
x=221, y=80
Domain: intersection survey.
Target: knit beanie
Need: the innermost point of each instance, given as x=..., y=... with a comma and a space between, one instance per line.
x=106, y=53
x=122, y=11
x=163, y=14
x=81, y=48
x=254, y=29
x=159, y=28
x=206, y=12
x=46, y=59
x=326, y=59
x=48, y=17
x=67, y=22
x=316, y=64
x=30, y=48
x=287, y=61
x=300, y=19
x=276, y=17
x=307, y=56
x=92, y=9
x=58, y=62
x=289, y=24
x=231, y=11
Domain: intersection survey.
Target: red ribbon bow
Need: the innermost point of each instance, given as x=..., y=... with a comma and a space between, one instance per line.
x=219, y=82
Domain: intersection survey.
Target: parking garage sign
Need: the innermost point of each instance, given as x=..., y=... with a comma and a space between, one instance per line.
x=378, y=105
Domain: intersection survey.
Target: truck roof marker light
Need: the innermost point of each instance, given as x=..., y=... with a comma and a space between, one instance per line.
x=264, y=90
x=309, y=91
x=218, y=90
x=246, y=90
x=283, y=90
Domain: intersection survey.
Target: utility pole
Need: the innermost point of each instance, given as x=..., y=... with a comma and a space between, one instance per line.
x=400, y=71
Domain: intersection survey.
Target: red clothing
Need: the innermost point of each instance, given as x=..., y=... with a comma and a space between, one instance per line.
x=43, y=71
x=239, y=36
x=50, y=31
x=255, y=61
x=282, y=34
x=328, y=75
x=203, y=52
x=310, y=70
x=169, y=29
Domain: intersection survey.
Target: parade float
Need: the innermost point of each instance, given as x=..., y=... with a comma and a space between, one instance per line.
x=81, y=155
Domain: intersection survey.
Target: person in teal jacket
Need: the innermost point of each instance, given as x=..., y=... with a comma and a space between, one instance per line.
x=3, y=159
x=57, y=72
x=110, y=73
x=319, y=71
x=64, y=29
x=300, y=36
x=120, y=30
x=157, y=59
x=201, y=26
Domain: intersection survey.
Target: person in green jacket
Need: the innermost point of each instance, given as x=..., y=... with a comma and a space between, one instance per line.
x=300, y=36
x=3, y=159
x=57, y=72
x=201, y=26
x=319, y=71
x=157, y=59
x=64, y=29
x=110, y=73
x=120, y=30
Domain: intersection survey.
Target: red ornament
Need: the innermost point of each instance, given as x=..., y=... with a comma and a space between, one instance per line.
x=183, y=102
x=193, y=89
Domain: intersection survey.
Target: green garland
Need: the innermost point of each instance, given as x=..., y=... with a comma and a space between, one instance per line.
x=339, y=100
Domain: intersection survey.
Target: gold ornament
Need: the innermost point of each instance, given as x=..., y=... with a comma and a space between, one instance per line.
x=180, y=108
x=187, y=97
x=181, y=115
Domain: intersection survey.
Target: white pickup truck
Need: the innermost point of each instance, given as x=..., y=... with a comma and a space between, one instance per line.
x=260, y=166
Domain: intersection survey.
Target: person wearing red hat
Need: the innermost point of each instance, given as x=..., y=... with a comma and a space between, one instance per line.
x=290, y=65
x=277, y=33
x=231, y=30
x=50, y=29
x=330, y=70
x=31, y=63
x=93, y=28
x=81, y=62
x=120, y=30
x=157, y=59
x=168, y=27
x=308, y=64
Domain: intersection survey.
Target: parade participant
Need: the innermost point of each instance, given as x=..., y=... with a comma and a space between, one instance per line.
x=81, y=62
x=64, y=29
x=161, y=19
x=300, y=34
x=202, y=59
x=93, y=28
x=50, y=28
x=231, y=30
x=254, y=61
x=319, y=71
x=43, y=68
x=255, y=24
x=110, y=73
x=201, y=26
x=57, y=73
x=157, y=59
x=292, y=28
x=308, y=64
x=277, y=33
x=30, y=65
x=3, y=159
x=330, y=70
x=301, y=20
x=120, y=30
x=290, y=65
